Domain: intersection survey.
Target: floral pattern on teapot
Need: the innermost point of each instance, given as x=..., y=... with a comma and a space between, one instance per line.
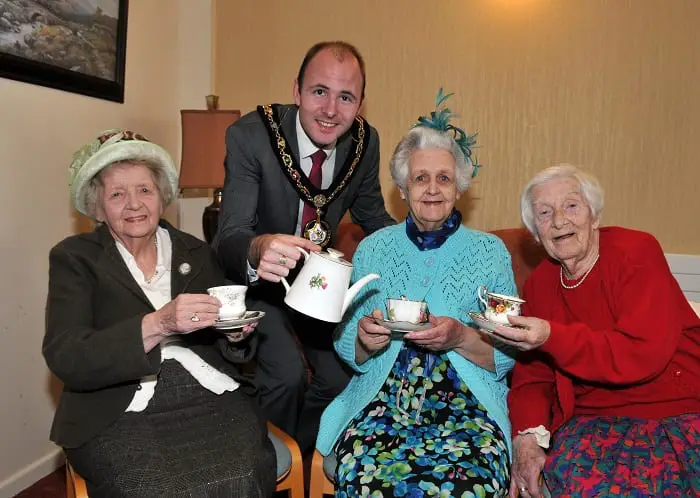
x=318, y=281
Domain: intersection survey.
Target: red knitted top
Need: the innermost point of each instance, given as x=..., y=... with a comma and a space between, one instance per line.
x=624, y=343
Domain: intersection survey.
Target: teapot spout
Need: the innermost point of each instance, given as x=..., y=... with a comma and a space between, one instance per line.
x=352, y=291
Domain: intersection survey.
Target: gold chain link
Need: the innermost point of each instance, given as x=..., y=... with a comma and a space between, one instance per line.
x=319, y=200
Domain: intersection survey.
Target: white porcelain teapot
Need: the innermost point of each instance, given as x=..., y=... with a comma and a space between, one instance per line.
x=321, y=288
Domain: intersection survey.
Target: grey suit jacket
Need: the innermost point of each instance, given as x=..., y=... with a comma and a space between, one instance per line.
x=259, y=199
x=93, y=340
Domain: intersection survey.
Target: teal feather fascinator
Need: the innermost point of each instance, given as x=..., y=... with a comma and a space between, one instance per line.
x=439, y=120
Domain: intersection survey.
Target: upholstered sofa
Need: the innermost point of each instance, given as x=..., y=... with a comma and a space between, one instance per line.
x=525, y=253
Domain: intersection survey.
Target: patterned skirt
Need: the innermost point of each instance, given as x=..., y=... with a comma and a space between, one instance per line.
x=424, y=434
x=188, y=442
x=621, y=456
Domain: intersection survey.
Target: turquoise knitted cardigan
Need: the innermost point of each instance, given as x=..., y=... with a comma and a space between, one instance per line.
x=447, y=278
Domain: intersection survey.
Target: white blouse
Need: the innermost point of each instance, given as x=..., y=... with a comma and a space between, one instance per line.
x=158, y=292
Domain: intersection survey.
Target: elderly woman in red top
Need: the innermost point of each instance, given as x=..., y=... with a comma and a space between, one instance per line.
x=611, y=362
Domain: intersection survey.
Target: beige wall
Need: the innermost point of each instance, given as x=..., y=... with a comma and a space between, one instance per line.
x=168, y=67
x=608, y=84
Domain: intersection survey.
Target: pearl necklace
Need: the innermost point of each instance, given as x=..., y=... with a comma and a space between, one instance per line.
x=561, y=275
x=155, y=272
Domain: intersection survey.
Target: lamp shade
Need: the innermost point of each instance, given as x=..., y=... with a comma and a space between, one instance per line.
x=204, y=147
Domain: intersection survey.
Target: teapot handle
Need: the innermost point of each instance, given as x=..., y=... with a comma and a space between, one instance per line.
x=284, y=280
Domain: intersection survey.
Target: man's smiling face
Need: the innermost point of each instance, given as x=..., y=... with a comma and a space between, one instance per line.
x=330, y=97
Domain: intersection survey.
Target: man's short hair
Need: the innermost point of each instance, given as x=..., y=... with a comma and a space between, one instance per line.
x=340, y=48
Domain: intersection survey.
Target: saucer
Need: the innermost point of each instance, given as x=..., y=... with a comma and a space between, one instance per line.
x=234, y=323
x=402, y=326
x=487, y=325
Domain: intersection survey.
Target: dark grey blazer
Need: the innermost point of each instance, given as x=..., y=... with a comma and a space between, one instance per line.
x=93, y=341
x=259, y=199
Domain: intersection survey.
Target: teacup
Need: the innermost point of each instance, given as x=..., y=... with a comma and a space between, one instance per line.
x=498, y=306
x=405, y=310
x=232, y=299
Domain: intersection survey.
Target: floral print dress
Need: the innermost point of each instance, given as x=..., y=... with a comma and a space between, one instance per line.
x=424, y=434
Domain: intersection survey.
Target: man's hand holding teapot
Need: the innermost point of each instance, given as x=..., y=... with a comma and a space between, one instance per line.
x=273, y=255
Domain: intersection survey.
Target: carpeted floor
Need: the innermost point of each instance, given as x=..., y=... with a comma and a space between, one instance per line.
x=51, y=486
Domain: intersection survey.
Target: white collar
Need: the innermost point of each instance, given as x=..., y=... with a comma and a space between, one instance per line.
x=164, y=255
x=306, y=146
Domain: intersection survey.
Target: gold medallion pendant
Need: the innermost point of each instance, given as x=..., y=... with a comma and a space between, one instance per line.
x=318, y=232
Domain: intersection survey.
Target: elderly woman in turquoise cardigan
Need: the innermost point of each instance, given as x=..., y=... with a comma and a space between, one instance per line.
x=425, y=412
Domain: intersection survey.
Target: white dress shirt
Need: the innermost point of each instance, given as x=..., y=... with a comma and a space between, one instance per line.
x=158, y=292
x=306, y=149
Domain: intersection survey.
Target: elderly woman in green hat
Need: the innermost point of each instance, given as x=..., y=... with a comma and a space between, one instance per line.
x=153, y=403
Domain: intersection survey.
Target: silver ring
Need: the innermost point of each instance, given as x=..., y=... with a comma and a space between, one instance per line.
x=282, y=261
x=195, y=318
x=523, y=489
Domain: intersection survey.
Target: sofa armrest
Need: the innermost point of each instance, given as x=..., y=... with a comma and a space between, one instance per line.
x=525, y=252
x=347, y=238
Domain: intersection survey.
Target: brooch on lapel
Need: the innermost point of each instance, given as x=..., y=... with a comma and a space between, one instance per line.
x=184, y=269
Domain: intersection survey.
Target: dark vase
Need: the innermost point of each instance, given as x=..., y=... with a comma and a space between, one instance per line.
x=210, y=218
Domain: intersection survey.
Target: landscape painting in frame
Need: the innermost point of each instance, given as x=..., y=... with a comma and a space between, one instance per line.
x=73, y=45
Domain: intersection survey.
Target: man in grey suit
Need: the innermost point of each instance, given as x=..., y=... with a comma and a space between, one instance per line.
x=292, y=172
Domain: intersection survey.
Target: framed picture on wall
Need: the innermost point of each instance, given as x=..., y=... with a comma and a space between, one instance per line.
x=73, y=45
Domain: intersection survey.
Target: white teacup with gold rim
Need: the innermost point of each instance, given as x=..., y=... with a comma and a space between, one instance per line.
x=499, y=306
x=405, y=310
x=232, y=299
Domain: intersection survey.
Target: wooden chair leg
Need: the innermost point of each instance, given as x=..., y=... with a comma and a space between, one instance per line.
x=320, y=484
x=75, y=485
x=70, y=489
x=293, y=481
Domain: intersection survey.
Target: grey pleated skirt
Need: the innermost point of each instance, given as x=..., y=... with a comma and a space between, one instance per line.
x=189, y=442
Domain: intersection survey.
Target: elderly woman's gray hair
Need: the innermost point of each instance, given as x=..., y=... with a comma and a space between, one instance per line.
x=420, y=138
x=591, y=190
x=92, y=193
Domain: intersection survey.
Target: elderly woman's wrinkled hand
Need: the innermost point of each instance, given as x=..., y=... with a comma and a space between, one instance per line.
x=445, y=334
x=529, y=333
x=187, y=313
x=371, y=336
x=528, y=462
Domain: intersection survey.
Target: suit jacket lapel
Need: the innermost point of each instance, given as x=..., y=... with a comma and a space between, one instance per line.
x=341, y=153
x=184, y=267
x=288, y=118
x=114, y=264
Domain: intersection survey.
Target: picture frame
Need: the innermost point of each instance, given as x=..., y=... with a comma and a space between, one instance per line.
x=77, y=46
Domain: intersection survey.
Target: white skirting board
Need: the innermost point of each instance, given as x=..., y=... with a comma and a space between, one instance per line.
x=686, y=269
x=32, y=473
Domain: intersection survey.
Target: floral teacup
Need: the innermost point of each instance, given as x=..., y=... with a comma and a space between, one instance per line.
x=499, y=306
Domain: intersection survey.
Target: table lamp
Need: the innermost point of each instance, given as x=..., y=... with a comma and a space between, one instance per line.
x=203, y=154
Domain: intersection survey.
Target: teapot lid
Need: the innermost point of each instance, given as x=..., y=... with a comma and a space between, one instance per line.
x=334, y=255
